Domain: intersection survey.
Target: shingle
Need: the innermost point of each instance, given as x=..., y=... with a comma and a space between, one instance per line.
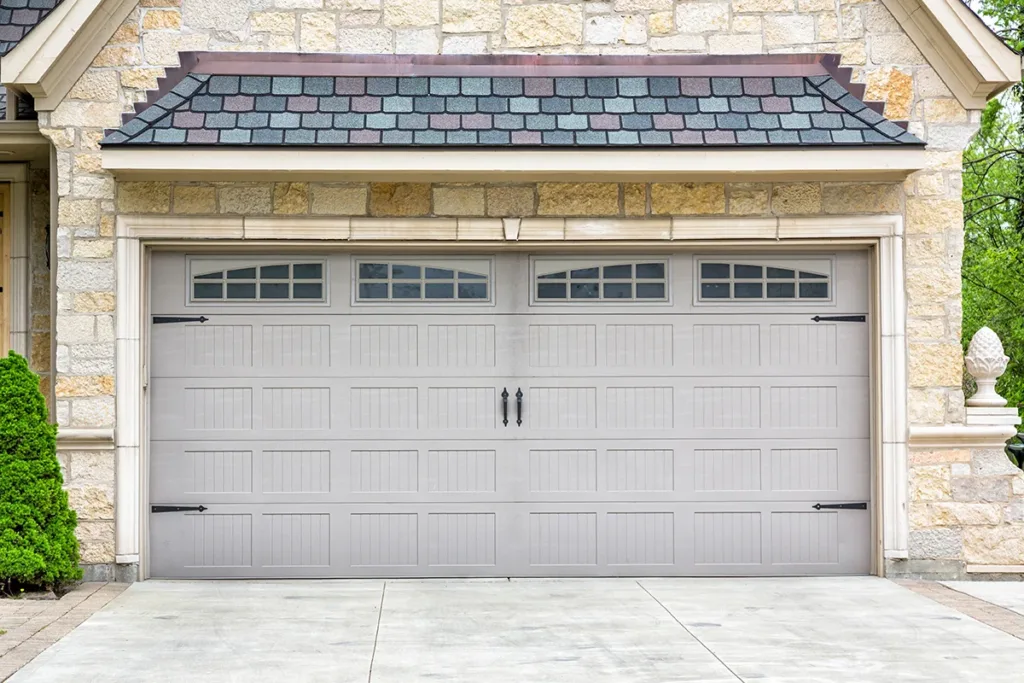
x=494, y=137
x=558, y=137
x=222, y=85
x=319, y=86
x=460, y=105
x=570, y=87
x=650, y=105
x=462, y=137
x=573, y=122
x=588, y=105
x=285, y=120
x=721, y=86
x=286, y=85
x=662, y=86
x=523, y=105
x=591, y=137
x=492, y=105
x=444, y=86
x=655, y=137
x=413, y=86
x=602, y=87
x=507, y=87
x=381, y=85
x=619, y=105
x=271, y=103
x=633, y=87
x=623, y=137
x=299, y=136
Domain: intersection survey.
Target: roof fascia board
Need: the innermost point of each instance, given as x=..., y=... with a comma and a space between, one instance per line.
x=973, y=63
x=54, y=55
x=384, y=164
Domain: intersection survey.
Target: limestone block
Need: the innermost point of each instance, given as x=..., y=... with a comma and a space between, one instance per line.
x=635, y=199
x=616, y=30
x=366, y=40
x=992, y=462
x=162, y=19
x=96, y=85
x=933, y=215
x=95, y=542
x=291, y=198
x=92, y=412
x=680, y=43
x=331, y=200
x=748, y=44
x=144, y=197
x=687, y=199
x=796, y=198
x=748, y=199
x=895, y=48
x=936, y=544
x=470, y=16
x=407, y=13
x=893, y=86
x=578, y=199
x=544, y=24
x=788, y=30
x=162, y=49
x=458, y=201
x=930, y=482
x=994, y=545
x=511, y=201
x=91, y=502
x=934, y=365
x=245, y=199
x=318, y=32
x=417, y=41
x=399, y=199
x=661, y=23
x=273, y=22
x=976, y=489
x=861, y=198
x=700, y=17
x=195, y=199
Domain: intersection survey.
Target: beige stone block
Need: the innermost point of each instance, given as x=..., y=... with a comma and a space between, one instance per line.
x=94, y=302
x=679, y=43
x=410, y=13
x=661, y=23
x=687, y=199
x=162, y=49
x=578, y=199
x=195, y=199
x=470, y=16
x=544, y=24
x=895, y=87
x=933, y=215
x=95, y=541
x=84, y=385
x=748, y=199
x=930, y=482
x=701, y=17
x=796, y=198
x=91, y=502
x=161, y=20
x=331, y=200
x=100, y=248
x=318, y=32
x=862, y=198
x=127, y=55
x=144, y=197
x=291, y=198
x=934, y=365
x=994, y=545
x=746, y=44
x=458, y=201
x=143, y=79
x=926, y=329
x=96, y=85
x=634, y=199
x=365, y=40
x=127, y=32
x=77, y=211
x=399, y=199
x=39, y=360
x=616, y=30
x=788, y=30
x=245, y=199
x=273, y=22
x=763, y=5
x=896, y=49
x=511, y=201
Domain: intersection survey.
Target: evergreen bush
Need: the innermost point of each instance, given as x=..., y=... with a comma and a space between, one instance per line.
x=37, y=528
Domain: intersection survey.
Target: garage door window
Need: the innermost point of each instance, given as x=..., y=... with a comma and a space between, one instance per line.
x=746, y=281
x=578, y=281
x=281, y=282
x=408, y=282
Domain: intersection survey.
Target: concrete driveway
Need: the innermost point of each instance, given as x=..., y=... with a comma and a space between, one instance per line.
x=530, y=631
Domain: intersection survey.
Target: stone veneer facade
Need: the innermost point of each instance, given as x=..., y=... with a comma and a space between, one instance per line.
x=964, y=506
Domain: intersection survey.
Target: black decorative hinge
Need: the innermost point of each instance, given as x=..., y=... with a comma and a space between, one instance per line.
x=159, y=319
x=178, y=508
x=840, y=506
x=840, y=318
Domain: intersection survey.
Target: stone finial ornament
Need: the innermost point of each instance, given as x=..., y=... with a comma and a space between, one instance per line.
x=986, y=362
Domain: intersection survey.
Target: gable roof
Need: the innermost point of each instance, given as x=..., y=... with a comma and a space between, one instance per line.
x=19, y=17
x=500, y=101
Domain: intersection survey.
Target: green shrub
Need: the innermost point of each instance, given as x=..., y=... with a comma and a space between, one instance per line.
x=37, y=528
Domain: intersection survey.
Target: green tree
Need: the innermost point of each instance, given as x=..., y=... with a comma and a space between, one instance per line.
x=37, y=527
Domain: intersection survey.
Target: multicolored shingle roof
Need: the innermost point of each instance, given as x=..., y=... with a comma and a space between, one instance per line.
x=19, y=17
x=625, y=109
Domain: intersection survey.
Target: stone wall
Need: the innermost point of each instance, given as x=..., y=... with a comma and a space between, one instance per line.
x=864, y=33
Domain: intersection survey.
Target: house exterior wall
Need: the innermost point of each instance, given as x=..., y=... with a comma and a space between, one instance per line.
x=958, y=509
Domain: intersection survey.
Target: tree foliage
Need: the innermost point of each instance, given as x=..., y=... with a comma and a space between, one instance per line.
x=37, y=527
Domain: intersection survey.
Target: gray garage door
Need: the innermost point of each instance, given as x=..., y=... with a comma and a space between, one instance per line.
x=509, y=415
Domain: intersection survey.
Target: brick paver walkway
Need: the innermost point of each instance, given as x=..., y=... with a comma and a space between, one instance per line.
x=34, y=625
x=995, y=616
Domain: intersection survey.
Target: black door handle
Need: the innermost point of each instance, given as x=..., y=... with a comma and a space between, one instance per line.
x=519, y=406
x=504, y=406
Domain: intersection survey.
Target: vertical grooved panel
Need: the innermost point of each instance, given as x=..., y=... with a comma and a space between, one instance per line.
x=384, y=540
x=220, y=540
x=218, y=346
x=220, y=471
x=563, y=346
x=641, y=538
x=563, y=538
x=639, y=407
x=296, y=471
x=460, y=539
x=638, y=346
x=461, y=408
x=384, y=471
x=560, y=408
x=727, y=538
x=804, y=407
x=383, y=408
x=460, y=346
x=563, y=470
x=296, y=408
x=726, y=407
x=218, y=408
x=296, y=346
x=383, y=346
x=460, y=471
x=805, y=469
x=298, y=540
x=727, y=470
x=732, y=346
x=805, y=537
x=803, y=345
x=640, y=470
